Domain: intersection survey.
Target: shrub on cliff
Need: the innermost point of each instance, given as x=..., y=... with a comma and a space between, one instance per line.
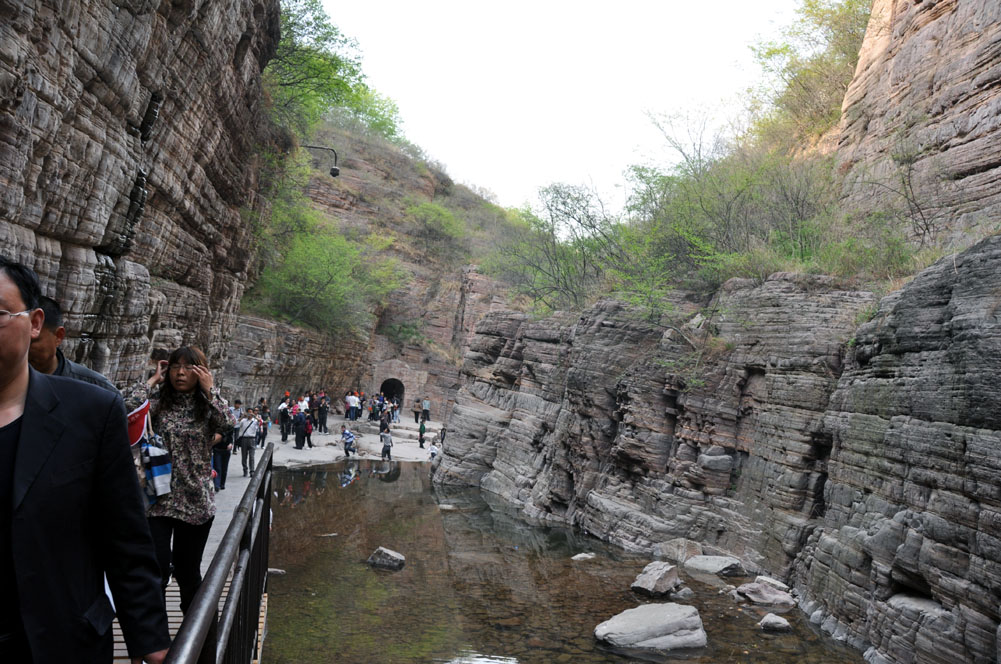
x=810, y=69
x=325, y=282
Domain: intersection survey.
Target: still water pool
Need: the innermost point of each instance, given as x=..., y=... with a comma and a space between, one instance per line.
x=480, y=584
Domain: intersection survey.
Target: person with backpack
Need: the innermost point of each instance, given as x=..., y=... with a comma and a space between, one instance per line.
x=309, y=429
x=299, y=427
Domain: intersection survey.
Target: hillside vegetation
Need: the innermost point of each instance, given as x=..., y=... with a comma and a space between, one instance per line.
x=319, y=269
x=744, y=196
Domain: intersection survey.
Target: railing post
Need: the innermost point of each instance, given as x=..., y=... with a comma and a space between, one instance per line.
x=243, y=552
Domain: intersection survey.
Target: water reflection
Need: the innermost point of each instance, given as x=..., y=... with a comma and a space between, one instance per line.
x=480, y=584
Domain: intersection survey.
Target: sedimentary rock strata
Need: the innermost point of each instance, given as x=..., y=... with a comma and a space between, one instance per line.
x=625, y=429
x=126, y=135
x=923, y=106
x=908, y=556
x=862, y=465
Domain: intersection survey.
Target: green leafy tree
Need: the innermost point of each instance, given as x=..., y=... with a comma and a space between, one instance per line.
x=812, y=66
x=327, y=283
x=558, y=257
x=316, y=72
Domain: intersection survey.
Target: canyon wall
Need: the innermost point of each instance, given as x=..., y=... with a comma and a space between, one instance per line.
x=861, y=465
x=127, y=131
x=921, y=115
x=641, y=434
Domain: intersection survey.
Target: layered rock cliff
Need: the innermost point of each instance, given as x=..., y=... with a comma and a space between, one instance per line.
x=922, y=113
x=630, y=432
x=127, y=131
x=862, y=465
x=908, y=555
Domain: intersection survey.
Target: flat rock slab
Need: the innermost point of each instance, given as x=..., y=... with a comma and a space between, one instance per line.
x=763, y=593
x=719, y=565
x=657, y=578
x=384, y=558
x=654, y=626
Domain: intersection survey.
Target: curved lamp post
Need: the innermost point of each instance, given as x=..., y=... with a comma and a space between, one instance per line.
x=334, y=170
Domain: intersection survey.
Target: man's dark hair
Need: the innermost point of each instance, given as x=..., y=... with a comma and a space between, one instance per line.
x=159, y=354
x=53, y=313
x=25, y=279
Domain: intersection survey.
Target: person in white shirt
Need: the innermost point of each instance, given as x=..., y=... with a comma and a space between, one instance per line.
x=246, y=428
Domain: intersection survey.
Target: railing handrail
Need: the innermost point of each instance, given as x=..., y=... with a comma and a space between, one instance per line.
x=237, y=541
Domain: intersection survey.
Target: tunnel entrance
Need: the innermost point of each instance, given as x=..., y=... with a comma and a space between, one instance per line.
x=393, y=387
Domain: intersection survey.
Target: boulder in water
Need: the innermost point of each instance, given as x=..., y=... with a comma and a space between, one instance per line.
x=774, y=623
x=583, y=556
x=656, y=579
x=656, y=626
x=386, y=559
x=763, y=593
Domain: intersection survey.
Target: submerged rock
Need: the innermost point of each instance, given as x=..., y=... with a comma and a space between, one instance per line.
x=583, y=556
x=721, y=565
x=763, y=593
x=657, y=578
x=774, y=623
x=386, y=559
x=274, y=571
x=683, y=593
x=656, y=626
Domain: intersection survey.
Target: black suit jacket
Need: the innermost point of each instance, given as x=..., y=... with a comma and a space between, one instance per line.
x=78, y=514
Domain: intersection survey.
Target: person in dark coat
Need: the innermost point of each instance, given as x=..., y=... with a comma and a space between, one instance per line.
x=71, y=510
x=299, y=427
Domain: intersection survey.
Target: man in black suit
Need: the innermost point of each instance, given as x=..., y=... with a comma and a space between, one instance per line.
x=70, y=508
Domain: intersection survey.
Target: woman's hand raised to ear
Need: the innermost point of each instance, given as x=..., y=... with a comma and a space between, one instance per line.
x=204, y=378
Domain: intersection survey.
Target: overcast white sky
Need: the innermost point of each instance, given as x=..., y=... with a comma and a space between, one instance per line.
x=515, y=95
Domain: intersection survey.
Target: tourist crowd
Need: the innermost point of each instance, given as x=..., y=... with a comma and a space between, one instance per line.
x=76, y=507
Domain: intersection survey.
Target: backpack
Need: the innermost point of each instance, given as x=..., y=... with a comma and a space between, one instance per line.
x=309, y=425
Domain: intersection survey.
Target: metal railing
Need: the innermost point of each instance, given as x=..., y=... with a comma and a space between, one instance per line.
x=244, y=550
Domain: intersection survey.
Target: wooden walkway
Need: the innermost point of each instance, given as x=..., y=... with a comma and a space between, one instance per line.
x=174, y=618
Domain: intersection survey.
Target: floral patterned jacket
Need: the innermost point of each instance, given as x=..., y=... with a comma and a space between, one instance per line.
x=192, y=496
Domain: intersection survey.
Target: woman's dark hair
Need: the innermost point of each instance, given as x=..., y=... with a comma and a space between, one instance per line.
x=169, y=395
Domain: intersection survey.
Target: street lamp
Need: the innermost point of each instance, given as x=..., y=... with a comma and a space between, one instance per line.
x=334, y=170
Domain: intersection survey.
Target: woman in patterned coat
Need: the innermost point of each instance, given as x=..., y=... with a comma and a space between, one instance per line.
x=188, y=413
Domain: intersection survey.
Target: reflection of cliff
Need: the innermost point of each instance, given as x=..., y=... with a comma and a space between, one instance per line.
x=865, y=470
x=126, y=131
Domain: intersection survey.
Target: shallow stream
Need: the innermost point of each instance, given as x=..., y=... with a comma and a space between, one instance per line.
x=480, y=584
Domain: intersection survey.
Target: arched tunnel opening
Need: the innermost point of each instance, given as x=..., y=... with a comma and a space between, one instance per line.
x=393, y=387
